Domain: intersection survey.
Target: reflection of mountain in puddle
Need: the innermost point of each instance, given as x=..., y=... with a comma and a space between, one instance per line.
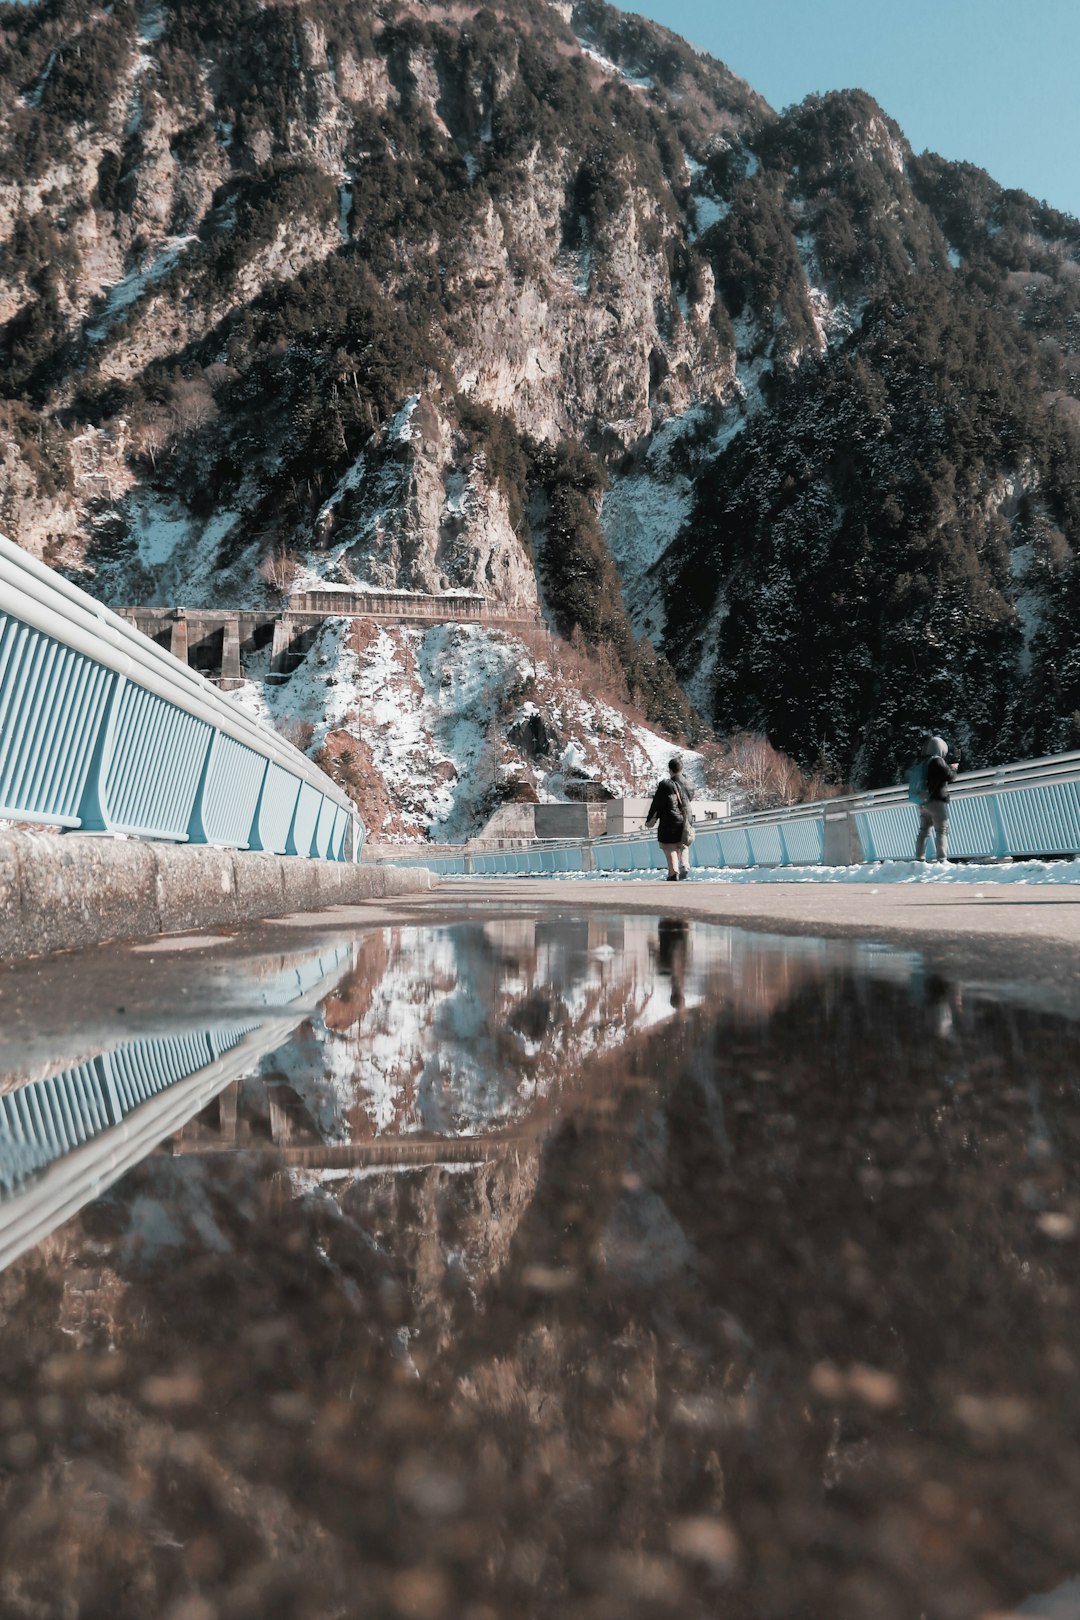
x=463, y=1029
x=418, y=1100
x=502, y=1030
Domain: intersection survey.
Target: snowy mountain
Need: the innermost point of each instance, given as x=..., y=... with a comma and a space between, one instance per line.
x=767, y=412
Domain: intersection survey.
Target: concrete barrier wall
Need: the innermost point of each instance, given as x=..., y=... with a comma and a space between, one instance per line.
x=561, y=820
x=60, y=893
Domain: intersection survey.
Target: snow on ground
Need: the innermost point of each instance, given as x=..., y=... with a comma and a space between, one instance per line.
x=584, y=272
x=170, y=545
x=120, y=297
x=321, y=694
x=636, y=81
x=350, y=479
x=1026, y=600
x=708, y=209
x=750, y=367
x=33, y=97
x=345, y=200
x=644, y=512
x=152, y=23
x=357, y=509
x=875, y=873
x=401, y=429
x=641, y=517
x=700, y=685
x=832, y=321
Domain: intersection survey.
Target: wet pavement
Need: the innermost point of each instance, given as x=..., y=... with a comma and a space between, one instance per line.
x=532, y=1263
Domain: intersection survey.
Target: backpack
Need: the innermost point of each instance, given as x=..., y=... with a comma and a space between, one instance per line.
x=918, y=788
x=687, y=814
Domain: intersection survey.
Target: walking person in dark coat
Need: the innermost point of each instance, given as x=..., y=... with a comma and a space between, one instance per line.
x=934, y=812
x=670, y=814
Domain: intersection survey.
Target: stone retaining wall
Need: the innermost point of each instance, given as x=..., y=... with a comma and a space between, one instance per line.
x=59, y=893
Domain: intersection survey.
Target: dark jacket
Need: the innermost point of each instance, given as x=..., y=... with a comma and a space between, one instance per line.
x=667, y=810
x=939, y=773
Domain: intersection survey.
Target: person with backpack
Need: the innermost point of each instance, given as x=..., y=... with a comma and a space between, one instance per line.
x=928, y=785
x=673, y=819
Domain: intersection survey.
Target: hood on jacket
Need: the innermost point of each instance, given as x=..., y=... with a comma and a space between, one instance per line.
x=936, y=748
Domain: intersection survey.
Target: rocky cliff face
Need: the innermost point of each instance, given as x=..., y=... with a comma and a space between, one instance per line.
x=534, y=300
x=275, y=253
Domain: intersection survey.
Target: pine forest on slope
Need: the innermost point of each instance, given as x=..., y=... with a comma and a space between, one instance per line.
x=776, y=418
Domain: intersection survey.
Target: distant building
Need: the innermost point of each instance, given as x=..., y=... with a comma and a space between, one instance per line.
x=628, y=815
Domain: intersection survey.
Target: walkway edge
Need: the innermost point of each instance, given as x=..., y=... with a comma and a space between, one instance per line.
x=64, y=893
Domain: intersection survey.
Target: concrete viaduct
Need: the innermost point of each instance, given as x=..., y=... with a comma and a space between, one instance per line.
x=216, y=642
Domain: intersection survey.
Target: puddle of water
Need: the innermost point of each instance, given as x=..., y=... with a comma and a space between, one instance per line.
x=610, y=1267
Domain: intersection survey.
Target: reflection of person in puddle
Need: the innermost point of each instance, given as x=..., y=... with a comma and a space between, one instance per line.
x=672, y=945
x=944, y=1002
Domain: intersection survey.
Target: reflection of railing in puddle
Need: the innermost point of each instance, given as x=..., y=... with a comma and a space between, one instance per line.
x=66, y=1138
x=47, y=1119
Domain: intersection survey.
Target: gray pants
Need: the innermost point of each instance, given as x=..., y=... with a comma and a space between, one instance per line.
x=677, y=856
x=934, y=813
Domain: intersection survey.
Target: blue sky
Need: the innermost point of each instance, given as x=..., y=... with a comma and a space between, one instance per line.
x=990, y=81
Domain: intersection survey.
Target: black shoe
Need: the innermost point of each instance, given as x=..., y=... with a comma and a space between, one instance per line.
x=684, y=874
x=673, y=877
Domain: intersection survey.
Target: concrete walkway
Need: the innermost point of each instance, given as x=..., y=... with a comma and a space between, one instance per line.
x=901, y=912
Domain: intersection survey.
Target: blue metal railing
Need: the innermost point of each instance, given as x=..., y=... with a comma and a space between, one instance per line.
x=1026, y=810
x=104, y=731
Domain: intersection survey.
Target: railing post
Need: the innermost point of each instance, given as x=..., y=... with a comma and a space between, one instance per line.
x=196, y=829
x=870, y=853
x=255, y=835
x=178, y=636
x=232, y=674
x=1001, y=836
x=840, y=834
x=93, y=815
x=104, y=1070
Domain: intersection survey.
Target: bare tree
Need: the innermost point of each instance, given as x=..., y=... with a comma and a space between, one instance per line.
x=279, y=569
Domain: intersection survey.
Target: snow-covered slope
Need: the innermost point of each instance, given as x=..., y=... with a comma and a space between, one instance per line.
x=434, y=728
